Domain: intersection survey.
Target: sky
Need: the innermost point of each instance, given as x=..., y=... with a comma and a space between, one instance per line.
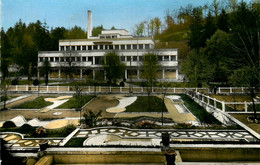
x=122, y=14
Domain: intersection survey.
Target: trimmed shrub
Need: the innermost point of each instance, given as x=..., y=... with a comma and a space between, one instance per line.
x=26, y=126
x=8, y=124
x=15, y=82
x=35, y=82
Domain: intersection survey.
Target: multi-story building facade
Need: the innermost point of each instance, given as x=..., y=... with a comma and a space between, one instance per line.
x=86, y=55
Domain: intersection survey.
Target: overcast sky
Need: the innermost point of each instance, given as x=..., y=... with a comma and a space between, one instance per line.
x=123, y=14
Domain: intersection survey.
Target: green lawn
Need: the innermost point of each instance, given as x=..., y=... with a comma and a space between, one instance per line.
x=199, y=111
x=72, y=103
x=75, y=142
x=142, y=105
x=37, y=103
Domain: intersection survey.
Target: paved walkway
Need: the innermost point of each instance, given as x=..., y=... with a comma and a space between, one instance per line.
x=177, y=134
x=17, y=140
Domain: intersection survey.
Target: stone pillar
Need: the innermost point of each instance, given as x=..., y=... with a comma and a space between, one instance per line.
x=126, y=73
x=59, y=73
x=177, y=74
x=80, y=73
x=94, y=74
x=93, y=62
x=163, y=74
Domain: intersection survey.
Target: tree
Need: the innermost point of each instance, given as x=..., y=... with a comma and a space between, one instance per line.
x=246, y=45
x=216, y=51
x=196, y=29
x=4, y=92
x=113, y=66
x=158, y=24
x=75, y=33
x=68, y=63
x=45, y=68
x=247, y=77
x=91, y=118
x=198, y=68
x=149, y=72
x=222, y=21
x=97, y=30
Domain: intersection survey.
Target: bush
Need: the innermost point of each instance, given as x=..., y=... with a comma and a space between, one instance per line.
x=35, y=82
x=15, y=82
x=26, y=126
x=8, y=124
x=122, y=84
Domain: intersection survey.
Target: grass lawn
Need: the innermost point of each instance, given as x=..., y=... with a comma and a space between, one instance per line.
x=199, y=111
x=242, y=118
x=75, y=142
x=37, y=103
x=72, y=103
x=233, y=98
x=8, y=98
x=142, y=105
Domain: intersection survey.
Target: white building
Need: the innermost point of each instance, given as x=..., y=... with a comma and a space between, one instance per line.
x=86, y=55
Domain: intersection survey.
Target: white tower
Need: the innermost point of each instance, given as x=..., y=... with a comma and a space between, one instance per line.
x=89, y=23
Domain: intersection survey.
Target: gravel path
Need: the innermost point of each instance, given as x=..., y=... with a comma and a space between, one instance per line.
x=123, y=102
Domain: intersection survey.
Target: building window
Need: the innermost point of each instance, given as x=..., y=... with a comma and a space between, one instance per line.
x=173, y=58
x=78, y=47
x=166, y=58
x=101, y=47
x=78, y=58
x=134, y=46
x=89, y=47
x=128, y=58
x=56, y=59
x=117, y=47
x=41, y=59
x=141, y=46
x=73, y=59
x=110, y=47
x=106, y=46
x=114, y=36
x=67, y=48
x=140, y=58
x=122, y=47
x=72, y=47
x=84, y=58
x=108, y=37
x=90, y=59
x=122, y=58
x=128, y=47
x=62, y=48
x=159, y=58
x=134, y=58
x=98, y=60
x=62, y=59
x=95, y=47
x=102, y=37
x=147, y=46
x=83, y=47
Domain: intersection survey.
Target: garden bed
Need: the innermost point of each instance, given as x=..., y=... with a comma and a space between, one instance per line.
x=142, y=105
x=37, y=103
x=72, y=103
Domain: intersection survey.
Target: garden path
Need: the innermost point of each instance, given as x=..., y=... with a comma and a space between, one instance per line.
x=176, y=115
x=56, y=102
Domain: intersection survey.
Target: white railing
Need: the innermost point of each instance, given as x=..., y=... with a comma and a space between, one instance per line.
x=101, y=89
x=234, y=107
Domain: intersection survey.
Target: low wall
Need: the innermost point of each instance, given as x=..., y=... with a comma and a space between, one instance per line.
x=220, y=154
x=103, y=157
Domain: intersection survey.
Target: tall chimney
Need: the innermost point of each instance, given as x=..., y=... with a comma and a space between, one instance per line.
x=89, y=23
